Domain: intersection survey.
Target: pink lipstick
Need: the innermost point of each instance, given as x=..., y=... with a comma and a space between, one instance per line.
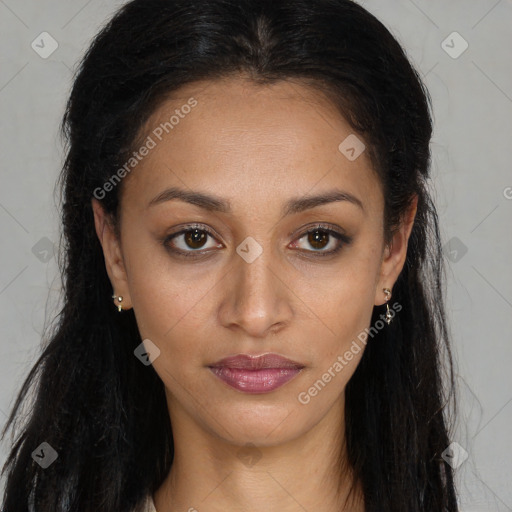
x=256, y=374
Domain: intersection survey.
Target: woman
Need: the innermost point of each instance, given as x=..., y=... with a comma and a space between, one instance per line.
x=253, y=314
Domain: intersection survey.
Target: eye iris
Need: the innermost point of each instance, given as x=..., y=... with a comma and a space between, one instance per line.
x=317, y=237
x=194, y=237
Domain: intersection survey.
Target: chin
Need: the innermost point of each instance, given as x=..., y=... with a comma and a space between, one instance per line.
x=260, y=424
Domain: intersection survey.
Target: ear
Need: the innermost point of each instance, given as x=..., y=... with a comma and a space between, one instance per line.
x=112, y=253
x=395, y=253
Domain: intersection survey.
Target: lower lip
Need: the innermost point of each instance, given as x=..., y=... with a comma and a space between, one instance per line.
x=255, y=381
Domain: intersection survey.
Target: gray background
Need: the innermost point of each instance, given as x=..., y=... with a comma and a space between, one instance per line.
x=472, y=183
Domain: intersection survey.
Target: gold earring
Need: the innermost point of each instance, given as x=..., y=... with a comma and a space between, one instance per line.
x=119, y=299
x=389, y=316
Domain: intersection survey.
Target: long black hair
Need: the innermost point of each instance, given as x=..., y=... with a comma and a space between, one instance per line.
x=93, y=402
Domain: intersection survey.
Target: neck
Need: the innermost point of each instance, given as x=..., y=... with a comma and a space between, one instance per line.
x=306, y=473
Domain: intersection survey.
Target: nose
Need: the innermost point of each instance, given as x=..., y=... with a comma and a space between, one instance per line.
x=257, y=301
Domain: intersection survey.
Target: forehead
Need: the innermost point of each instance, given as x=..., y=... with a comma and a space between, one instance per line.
x=247, y=142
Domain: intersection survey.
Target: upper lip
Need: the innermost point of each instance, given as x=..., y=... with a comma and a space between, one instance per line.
x=256, y=362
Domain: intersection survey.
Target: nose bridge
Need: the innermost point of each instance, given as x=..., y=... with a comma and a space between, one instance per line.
x=259, y=297
x=254, y=275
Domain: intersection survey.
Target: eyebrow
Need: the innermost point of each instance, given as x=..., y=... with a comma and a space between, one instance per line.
x=216, y=204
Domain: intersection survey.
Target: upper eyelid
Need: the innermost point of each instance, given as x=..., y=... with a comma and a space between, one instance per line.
x=191, y=227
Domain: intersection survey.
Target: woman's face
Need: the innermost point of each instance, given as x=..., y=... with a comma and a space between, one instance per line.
x=251, y=280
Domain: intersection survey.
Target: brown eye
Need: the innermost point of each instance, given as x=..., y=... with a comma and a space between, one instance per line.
x=193, y=241
x=318, y=238
x=321, y=241
x=195, y=238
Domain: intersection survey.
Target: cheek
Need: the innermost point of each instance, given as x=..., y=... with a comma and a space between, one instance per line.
x=339, y=350
x=345, y=305
x=166, y=298
x=170, y=314
x=348, y=293
x=162, y=291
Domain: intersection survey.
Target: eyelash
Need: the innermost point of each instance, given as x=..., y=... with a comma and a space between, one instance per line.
x=341, y=238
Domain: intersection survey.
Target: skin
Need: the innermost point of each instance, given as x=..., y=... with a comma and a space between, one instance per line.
x=256, y=147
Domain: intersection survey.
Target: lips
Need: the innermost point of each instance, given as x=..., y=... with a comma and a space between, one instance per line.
x=256, y=374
